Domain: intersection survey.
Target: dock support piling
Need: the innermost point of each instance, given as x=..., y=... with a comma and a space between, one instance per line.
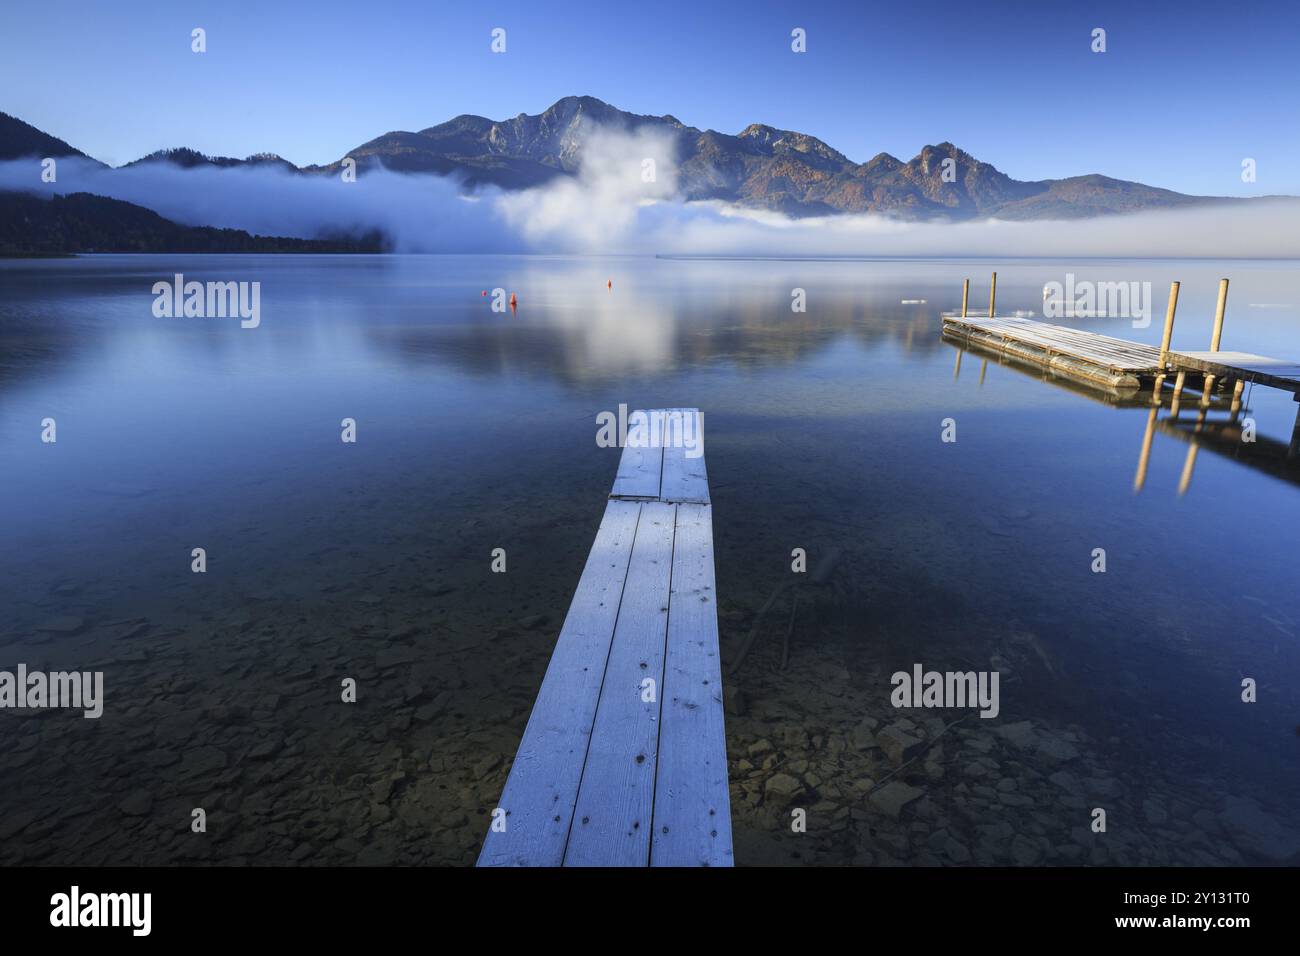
x=965, y=296
x=1237, y=389
x=1165, y=339
x=1179, y=382
x=993, y=294
x=1220, y=309
x=1216, y=336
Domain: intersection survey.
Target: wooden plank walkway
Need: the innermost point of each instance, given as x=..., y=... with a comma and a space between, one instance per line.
x=1097, y=358
x=1110, y=361
x=1277, y=373
x=614, y=770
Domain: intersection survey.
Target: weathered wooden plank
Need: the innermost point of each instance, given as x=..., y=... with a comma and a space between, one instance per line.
x=1065, y=338
x=595, y=782
x=542, y=788
x=1128, y=355
x=1114, y=358
x=692, y=811
x=1278, y=373
x=685, y=477
x=611, y=822
x=641, y=465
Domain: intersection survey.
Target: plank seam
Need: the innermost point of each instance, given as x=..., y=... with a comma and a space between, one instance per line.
x=663, y=433
x=663, y=696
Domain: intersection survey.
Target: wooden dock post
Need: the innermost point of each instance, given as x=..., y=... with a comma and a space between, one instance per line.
x=1165, y=339
x=956, y=369
x=1237, y=389
x=965, y=296
x=993, y=294
x=1179, y=382
x=1219, y=310
x=1216, y=336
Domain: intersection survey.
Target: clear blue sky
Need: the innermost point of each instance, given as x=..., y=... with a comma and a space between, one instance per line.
x=1184, y=92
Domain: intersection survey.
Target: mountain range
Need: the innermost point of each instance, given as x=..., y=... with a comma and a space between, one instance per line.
x=759, y=167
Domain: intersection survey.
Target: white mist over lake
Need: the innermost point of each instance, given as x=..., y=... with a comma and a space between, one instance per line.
x=610, y=206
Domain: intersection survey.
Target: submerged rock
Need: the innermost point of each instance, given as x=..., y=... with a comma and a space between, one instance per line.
x=894, y=796
x=782, y=785
x=863, y=736
x=898, y=745
x=1257, y=831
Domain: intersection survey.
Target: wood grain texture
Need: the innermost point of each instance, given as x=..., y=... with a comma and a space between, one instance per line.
x=1115, y=355
x=611, y=824
x=603, y=775
x=692, y=815
x=542, y=788
x=685, y=477
x=640, y=467
x=1277, y=373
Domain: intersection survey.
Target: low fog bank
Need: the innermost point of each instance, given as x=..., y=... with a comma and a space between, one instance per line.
x=418, y=213
x=621, y=201
x=1261, y=229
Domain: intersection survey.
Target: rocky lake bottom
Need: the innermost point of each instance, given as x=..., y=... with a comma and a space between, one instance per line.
x=370, y=561
x=229, y=700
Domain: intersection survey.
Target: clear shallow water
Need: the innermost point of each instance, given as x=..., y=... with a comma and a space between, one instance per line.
x=476, y=431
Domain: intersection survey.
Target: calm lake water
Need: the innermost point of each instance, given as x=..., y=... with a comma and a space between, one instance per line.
x=476, y=430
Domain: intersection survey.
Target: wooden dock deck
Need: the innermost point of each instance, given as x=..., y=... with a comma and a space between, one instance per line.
x=1123, y=367
x=1118, y=363
x=1276, y=373
x=1112, y=362
x=624, y=759
x=1107, y=361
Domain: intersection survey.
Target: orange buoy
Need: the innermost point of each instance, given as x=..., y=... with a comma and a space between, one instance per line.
x=513, y=301
x=609, y=283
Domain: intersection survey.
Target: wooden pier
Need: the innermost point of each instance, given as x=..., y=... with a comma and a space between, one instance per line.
x=1119, y=363
x=624, y=759
x=1114, y=363
x=1122, y=368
